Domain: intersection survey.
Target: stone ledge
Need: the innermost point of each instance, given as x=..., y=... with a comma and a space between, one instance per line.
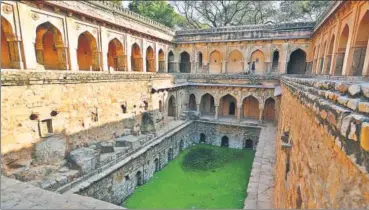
x=349, y=127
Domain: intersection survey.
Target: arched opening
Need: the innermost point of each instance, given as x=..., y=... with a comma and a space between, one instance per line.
x=199, y=60
x=170, y=154
x=329, y=55
x=185, y=64
x=215, y=64
x=172, y=106
x=160, y=106
x=297, y=63
x=116, y=58
x=202, y=138
x=156, y=163
x=361, y=42
x=250, y=107
x=225, y=142
x=321, y=58
x=136, y=58
x=227, y=106
x=181, y=145
x=139, y=179
x=9, y=49
x=192, y=103
x=235, y=62
x=87, y=54
x=171, y=63
x=207, y=106
x=257, y=62
x=49, y=47
x=249, y=144
x=161, y=61
x=269, y=109
x=150, y=60
x=340, y=56
x=275, y=61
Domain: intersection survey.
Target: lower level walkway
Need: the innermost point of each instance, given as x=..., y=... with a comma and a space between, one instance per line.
x=18, y=195
x=261, y=184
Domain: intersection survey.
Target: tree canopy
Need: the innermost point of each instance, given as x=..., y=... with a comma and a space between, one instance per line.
x=218, y=13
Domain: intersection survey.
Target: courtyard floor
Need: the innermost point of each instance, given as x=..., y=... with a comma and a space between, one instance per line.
x=176, y=187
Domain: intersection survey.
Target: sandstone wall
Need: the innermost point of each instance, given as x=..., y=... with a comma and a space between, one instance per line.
x=321, y=146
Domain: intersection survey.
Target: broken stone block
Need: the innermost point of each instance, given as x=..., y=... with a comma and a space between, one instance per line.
x=106, y=147
x=354, y=90
x=364, y=107
x=84, y=160
x=50, y=151
x=148, y=122
x=130, y=141
x=364, y=136
x=353, y=103
x=365, y=89
x=191, y=115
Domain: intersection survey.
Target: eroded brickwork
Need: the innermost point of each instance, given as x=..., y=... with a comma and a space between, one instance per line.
x=314, y=172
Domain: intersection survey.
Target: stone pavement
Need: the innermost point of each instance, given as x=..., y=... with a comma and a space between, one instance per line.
x=19, y=195
x=261, y=184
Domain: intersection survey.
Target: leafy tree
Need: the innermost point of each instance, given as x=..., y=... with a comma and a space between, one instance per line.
x=159, y=11
x=302, y=10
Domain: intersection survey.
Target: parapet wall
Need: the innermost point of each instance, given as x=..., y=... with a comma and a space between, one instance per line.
x=322, y=144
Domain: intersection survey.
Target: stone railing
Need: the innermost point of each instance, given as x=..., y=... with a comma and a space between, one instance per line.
x=19, y=78
x=248, y=32
x=126, y=12
x=342, y=106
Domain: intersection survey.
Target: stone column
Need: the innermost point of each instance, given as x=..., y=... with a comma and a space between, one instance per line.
x=239, y=113
x=216, y=112
x=366, y=61
x=261, y=115
x=15, y=54
x=198, y=108
x=226, y=67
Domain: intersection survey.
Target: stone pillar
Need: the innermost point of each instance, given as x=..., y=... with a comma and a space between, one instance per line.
x=15, y=54
x=226, y=67
x=216, y=112
x=366, y=61
x=261, y=115
x=239, y=113
x=198, y=108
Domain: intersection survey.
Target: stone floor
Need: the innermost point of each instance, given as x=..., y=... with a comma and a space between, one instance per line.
x=19, y=195
x=261, y=184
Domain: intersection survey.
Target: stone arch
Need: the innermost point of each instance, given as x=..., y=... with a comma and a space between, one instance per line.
x=181, y=145
x=269, y=109
x=87, y=54
x=116, y=58
x=227, y=106
x=207, y=106
x=250, y=107
x=235, y=62
x=215, y=62
x=341, y=51
x=136, y=58
x=185, y=62
x=192, y=102
x=360, y=45
x=297, y=62
x=170, y=154
x=156, y=165
x=329, y=55
x=172, y=106
x=224, y=141
x=9, y=47
x=139, y=178
x=171, y=67
x=202, y=138
x=199, y=60
x=249, y=144
x=258, y=62
x=275, y=61
x=161, y=61
x=49, y=47
x=150, y=59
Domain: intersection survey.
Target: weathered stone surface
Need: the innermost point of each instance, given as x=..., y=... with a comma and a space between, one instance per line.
x=365, y=89
x=353, y=103
x=106, y=147
x=364, y=107
x=191, y=115
x=354, y=90
x=84, y=159
x=364, y=136
x=50, y=151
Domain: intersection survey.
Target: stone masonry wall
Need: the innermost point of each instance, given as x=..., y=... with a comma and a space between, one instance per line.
x=322, y=157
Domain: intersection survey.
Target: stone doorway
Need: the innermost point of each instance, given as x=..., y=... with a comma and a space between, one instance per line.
x=225, y=142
